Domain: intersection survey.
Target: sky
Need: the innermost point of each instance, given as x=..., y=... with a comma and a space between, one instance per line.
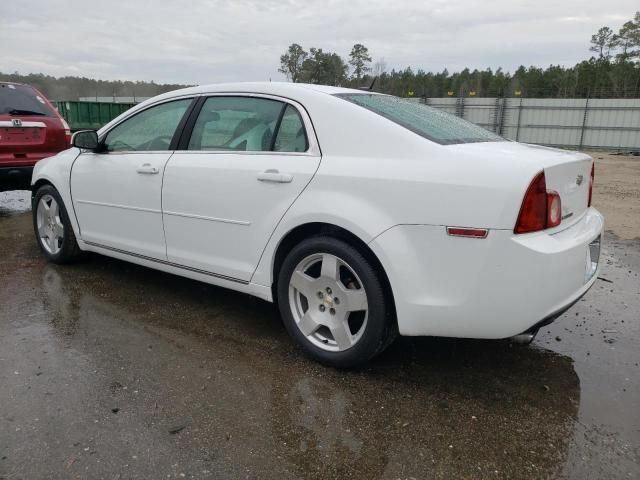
x=208, y=41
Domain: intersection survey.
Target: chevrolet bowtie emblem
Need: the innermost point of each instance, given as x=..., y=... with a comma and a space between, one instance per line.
x=579, y=180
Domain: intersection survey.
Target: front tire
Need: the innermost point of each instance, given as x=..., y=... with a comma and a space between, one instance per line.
x=333, y=303
x=52, y=227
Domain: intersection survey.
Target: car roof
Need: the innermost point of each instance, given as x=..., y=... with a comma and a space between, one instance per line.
x=295, y=91
x=264, y=87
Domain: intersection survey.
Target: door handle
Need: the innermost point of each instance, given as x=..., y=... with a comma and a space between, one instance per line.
x=273, y=175
x=148, y=169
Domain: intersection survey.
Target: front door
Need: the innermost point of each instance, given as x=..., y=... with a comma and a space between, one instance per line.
x=117, y=193
x=246, y=161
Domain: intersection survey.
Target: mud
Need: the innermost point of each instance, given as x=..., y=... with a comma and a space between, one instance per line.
x=109, y=370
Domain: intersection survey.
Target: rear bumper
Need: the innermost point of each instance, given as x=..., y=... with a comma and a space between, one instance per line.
x=495, y=287
x=15, y=178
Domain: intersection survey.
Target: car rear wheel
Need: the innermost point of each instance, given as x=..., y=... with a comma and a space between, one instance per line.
x=52, y=227
x=333, y=303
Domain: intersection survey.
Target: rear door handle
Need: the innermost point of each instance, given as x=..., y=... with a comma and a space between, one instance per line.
x=273, y=175
x=148, y=169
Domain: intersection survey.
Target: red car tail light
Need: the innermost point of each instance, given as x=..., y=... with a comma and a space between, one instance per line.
x=593, y=174
x=67, y=132
x=540, y=208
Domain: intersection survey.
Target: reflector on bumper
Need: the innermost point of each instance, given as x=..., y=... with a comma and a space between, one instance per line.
x=593, y=257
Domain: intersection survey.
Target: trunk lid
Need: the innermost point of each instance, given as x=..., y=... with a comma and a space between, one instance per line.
x=24, y=137
x=567, y=172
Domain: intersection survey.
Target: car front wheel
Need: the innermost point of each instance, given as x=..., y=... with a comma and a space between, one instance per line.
x=52, y=226
x=333, y=303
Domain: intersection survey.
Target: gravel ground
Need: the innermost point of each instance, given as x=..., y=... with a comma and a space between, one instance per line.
x=617, y=192
x=109, y=370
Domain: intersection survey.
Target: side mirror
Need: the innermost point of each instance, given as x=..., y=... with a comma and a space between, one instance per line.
x=85, y=139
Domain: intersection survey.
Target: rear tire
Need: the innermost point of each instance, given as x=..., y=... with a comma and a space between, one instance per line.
x=333, y=303
x=52, y=227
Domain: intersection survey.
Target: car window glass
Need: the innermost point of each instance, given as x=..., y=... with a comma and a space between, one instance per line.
x=22, y=100
x=291, y=135
x=428, y=122
x=236, y=123
x=149, y=130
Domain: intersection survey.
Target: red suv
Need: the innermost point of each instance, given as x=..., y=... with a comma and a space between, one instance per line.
x=30, y=129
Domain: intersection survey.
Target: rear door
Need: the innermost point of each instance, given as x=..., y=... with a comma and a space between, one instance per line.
x=244, y=164
x=117, y=193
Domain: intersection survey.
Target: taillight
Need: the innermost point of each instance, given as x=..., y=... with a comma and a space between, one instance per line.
x=67, y=132
x=540, y=208
x=593, y=173
x=554, y=209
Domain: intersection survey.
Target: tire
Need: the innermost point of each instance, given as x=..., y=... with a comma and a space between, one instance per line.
x=52, y=227
x=320, y=296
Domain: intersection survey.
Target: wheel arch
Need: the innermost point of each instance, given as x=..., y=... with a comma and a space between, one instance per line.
x=65, y=195
x=40, y=183
x=315, y=229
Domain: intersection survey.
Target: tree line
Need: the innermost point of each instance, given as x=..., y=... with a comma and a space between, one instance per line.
x=72, y=88
x=613, y=72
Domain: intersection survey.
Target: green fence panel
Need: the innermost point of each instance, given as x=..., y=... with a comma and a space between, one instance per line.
x=90, y=115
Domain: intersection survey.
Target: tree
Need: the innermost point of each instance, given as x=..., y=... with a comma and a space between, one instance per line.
x=359, y=59
x=292, y=61
x=601, y=43
x=628, y=39
x=324, y=68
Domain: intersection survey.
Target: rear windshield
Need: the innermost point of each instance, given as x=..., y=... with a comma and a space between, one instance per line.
x=22, y=100
x=428, y=122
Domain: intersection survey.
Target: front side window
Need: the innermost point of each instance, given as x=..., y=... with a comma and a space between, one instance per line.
x=428, y=122
x=149, y=130
x=244, y=124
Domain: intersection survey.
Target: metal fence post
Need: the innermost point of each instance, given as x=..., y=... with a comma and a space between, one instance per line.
x=502, y=107
x=584, y=121
x=518, y=124
x=460, y=106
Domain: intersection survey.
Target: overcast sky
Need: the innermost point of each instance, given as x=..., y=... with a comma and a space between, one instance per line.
x=206, y=41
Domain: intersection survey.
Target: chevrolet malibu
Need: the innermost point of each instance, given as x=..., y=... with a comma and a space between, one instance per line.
x=362, y=215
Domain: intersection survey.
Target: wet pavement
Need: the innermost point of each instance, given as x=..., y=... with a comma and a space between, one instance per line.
x=110, y=370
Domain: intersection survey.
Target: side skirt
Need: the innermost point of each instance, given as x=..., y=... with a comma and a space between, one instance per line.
x=211, y=278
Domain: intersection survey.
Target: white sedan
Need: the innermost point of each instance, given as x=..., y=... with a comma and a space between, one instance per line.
x=361, y=215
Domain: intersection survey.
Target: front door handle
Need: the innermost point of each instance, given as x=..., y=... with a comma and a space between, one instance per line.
x=273, y=175
x=148, y=169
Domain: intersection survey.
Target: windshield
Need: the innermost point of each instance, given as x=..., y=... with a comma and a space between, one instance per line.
x=22, y=100
x=428, y=122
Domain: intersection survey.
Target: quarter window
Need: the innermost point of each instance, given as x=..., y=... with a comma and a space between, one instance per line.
x=291, y=135
x=236, y=124
x=150, y=130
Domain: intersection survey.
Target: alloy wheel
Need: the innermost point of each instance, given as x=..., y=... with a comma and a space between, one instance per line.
x=50, y=227
x=328, y=302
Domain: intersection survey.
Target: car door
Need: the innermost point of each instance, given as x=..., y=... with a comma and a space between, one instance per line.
x=117, y=193
x=246, y=160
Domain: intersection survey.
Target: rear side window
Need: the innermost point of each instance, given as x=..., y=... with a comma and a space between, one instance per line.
x=291, y=134
x=428, y=122
x=150, y=130
x=23, y=100
x=236, y=124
